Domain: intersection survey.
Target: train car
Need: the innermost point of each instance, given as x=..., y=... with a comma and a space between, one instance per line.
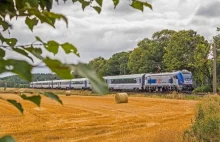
x=79, y=83
x=65, y=84
x=163, y=82
x=32, y=85
x=125, y=82
x=45, y=84
x=38, y=84
x=56, y=84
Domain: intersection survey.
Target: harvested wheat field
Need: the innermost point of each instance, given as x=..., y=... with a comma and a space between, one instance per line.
x=97, y=118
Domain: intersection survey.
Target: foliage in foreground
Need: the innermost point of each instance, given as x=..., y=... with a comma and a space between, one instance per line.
x=203, y=89
x=206, y=126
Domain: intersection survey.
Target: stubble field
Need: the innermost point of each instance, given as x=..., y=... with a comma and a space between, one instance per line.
x=97, y=118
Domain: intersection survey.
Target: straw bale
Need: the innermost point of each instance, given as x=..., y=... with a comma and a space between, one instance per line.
x=68, y=93
x=121, y=98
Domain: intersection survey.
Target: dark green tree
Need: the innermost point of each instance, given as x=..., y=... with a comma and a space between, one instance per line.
x=188, y=50
x=117, y=64
x=98, y=65
x=150, y=57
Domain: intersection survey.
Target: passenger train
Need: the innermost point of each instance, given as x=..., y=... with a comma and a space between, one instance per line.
x=146, y=82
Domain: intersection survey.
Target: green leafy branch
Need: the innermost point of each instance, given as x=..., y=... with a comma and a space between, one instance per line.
x=38, y=12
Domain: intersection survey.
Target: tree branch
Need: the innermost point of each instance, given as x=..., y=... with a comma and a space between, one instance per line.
x=27, y=45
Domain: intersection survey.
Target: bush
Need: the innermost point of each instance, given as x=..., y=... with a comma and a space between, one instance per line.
x=202, y=89
x=207, y=122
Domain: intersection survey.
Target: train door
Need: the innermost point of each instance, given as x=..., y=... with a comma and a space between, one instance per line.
x=85, y=84
x=59, y=84
x=70, y=84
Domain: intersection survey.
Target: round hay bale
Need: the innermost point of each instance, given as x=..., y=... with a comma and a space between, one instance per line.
x=41, y=92
x=68, y=93
x=21, y=91
x=121, y=98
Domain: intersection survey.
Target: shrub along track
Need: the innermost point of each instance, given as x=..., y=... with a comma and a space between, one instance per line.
x=97, y=118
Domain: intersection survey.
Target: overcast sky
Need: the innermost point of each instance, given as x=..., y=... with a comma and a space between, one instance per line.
x=119, y=30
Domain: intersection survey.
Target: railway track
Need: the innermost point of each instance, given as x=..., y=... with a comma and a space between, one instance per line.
x=132, y=92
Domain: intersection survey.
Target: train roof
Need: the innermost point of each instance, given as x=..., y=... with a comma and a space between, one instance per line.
x=64, y=80
x=124, y=76
x=79, y=79
x=41, y=81
x=159, y=74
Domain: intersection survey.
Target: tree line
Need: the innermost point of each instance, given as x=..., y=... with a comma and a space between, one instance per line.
x=16, y=82
x=165, y=51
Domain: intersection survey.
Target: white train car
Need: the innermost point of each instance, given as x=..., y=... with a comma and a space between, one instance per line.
x=65, y=84
x=32, y=84
x=125, y=82
x=56, y=84
x=45, y=84
x=79, y=83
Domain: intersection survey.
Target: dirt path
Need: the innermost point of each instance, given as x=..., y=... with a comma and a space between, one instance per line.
x=85, y=118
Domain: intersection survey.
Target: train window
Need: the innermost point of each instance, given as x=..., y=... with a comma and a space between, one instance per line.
x=77, y=82
x=123, y=81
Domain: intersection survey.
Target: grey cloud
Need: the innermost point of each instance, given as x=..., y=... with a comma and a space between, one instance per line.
x=199, y=21
x=114, y=30
x=210, y=10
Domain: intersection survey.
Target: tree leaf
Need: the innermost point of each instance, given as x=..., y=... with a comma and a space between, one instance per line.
x=2, y=65
x=49, y=4
x=68, y=48
x=4, y=24
x=147, y=5
x=2, y=53
x=57, y=67
x=74, y=1
x=137, y=5
x=16, y=104
x=85, y=4
x=98, y=9
x=22, y=52
x=11, y=41
x=99, y=2
x=43, y=17
x=53, y=17
x=38, y=39
x=33, y=3
x=22, y=68
x=35, y=51
x=115, y=3
x=98, y=83
x=53, y=96
x=35, y=99
x=2, y=39
x=31, y=22
x=7, y=139
x=52, y=46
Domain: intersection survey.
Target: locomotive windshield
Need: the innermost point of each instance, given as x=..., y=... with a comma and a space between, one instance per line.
x=187, y=76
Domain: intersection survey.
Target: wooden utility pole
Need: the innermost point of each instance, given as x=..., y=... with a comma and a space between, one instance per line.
x=214, y=69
